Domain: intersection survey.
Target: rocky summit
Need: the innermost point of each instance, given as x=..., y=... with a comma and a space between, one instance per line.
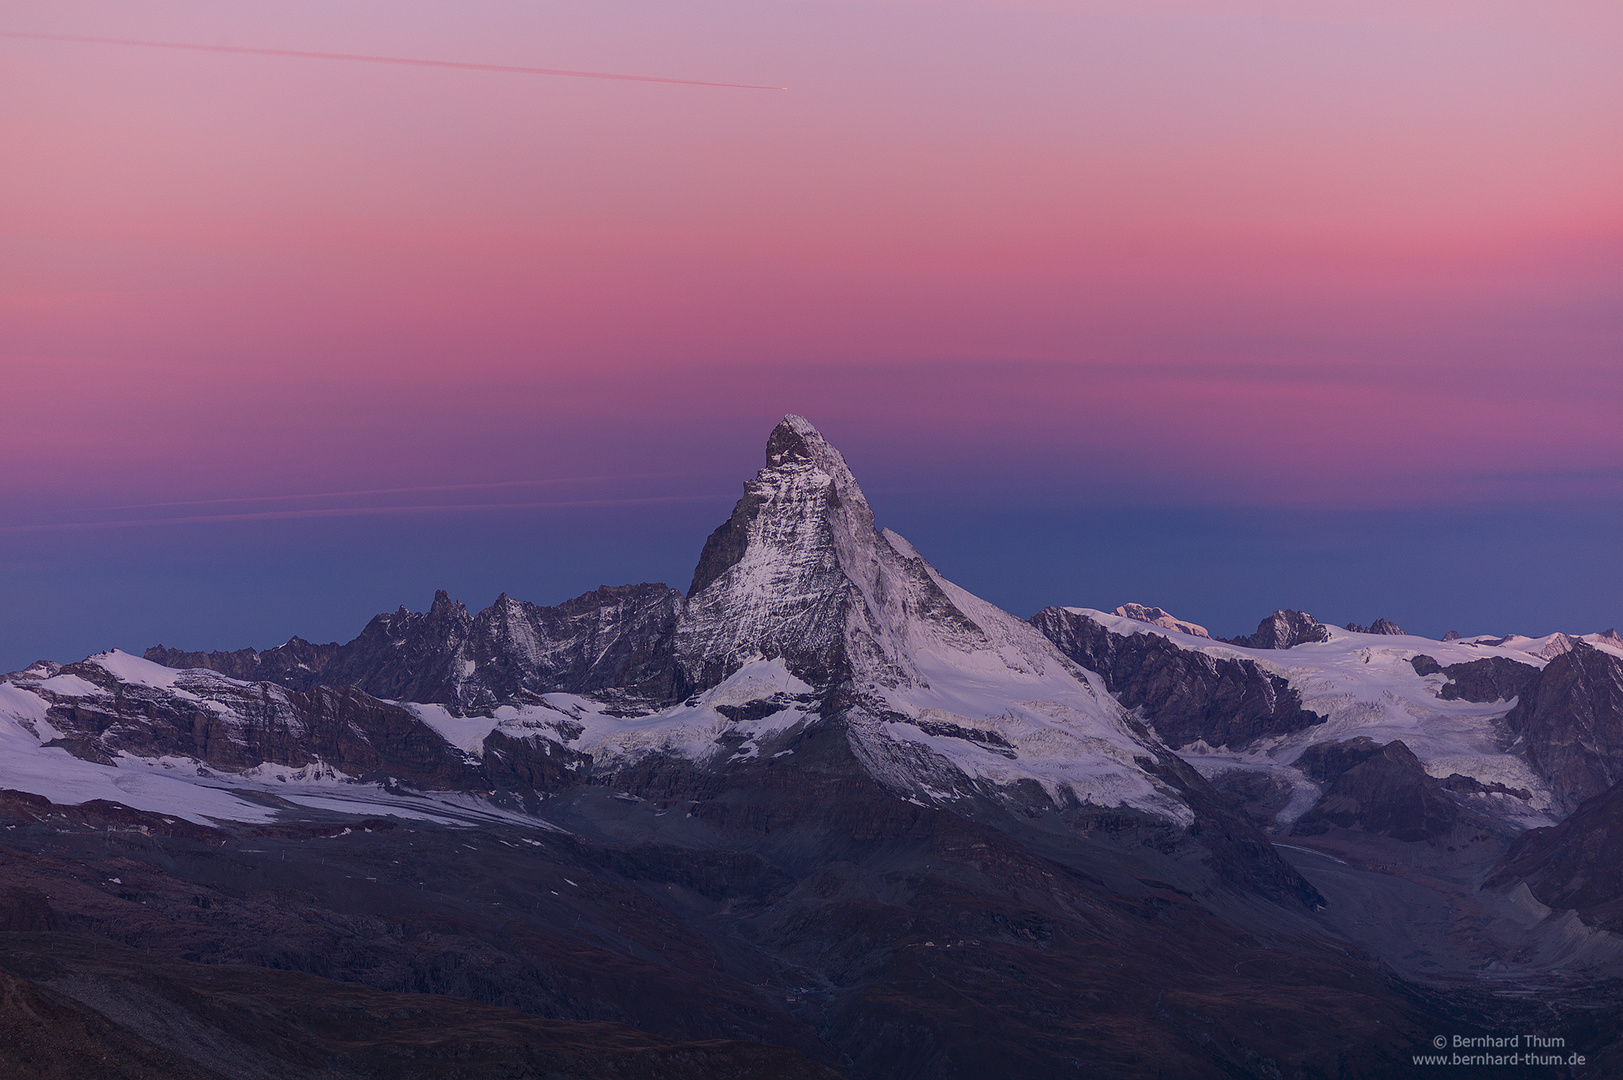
x=823, y=813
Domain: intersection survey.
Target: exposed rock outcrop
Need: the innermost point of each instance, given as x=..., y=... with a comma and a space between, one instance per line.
x=616, y=637
x=1425, y=665
x=1492, y=678
x=1379, y=626
x=1157, y=617
x=1576, y=865
x=1185, y=695
x=1284, y=630
x=1378, y=789
x=296, y=663
x=327, y=731
x=1570, y=721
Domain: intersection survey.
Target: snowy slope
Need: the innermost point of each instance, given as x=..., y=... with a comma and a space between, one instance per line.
x=797, y=597
x=696, y=730
x=801, y=612
x=179, y=785
x=1549, y=646
x=1365, y=685
x=955, y=697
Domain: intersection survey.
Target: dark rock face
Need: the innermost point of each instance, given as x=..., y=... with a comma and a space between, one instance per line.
x=1576, y=865
x=1185, y=695
x=296, y=663
x=617, y=637
x=725, y=545
x=1284, y=630
x=231, y=727
x=1379, y=626
x=1261, y=794
x=1327, y=761
x=1376, y=788
x=1470, y=785
x=1571, y=723
x=1425, y=665
x=800, y=573
x=341, y=727
x=1493, y=678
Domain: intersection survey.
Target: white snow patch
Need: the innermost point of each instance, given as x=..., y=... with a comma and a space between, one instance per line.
x=1157, y=617
x=184, y=789
x=70, y=686
x=1365, y=685
x=466, y=733
x=135, y=669
x=692, y=731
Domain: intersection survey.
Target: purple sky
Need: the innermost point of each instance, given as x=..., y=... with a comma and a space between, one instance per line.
x=1218, y=305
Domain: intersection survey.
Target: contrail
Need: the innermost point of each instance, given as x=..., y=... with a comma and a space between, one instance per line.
x=354, y=511
x=487, y=485
x=408, y=61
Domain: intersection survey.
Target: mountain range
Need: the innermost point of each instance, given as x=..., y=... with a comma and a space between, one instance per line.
x=823, y=813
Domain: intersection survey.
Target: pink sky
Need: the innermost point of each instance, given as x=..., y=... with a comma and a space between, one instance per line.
x=1327, y=253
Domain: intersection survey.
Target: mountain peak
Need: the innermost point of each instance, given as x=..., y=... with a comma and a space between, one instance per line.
x=804, y=476
x=444, y=607
x=772, y=578
x=1157, y=617
x=793, y=440
x=800, y=572
x=1284, y=629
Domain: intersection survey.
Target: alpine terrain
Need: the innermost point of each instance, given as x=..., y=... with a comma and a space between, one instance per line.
x=822, y=814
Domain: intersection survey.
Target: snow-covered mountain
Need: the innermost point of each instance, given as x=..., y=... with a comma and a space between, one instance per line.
x=204, y=747
x=948, y=695
x=828, y=799
x=616, y=638
x=1463, y=707
x=800, y=612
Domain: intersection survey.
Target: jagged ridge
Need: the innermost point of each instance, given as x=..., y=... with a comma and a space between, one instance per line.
x=615, y=637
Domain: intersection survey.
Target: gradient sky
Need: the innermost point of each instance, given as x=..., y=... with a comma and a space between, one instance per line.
x=1221, y=305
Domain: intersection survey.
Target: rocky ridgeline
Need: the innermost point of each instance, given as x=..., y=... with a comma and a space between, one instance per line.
x=1379, y=626
x=1185, y=696
x=1283, y=630
x=927, y=692
x=827, y=799
x=799, y=572
x=614, y=638
x=232, y=726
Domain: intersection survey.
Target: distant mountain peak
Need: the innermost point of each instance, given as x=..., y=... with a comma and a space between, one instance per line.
x=1157, y=617
x=798, y=571
x=1284, y=629
x=805, y=478
x=444, y=607
x=1379, y=626
x=797, y=439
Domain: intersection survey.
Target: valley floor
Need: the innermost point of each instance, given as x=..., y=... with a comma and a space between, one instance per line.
x=331, y=945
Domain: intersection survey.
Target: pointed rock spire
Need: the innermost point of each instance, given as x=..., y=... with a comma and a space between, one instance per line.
x=799, y=572
x=771, y=579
